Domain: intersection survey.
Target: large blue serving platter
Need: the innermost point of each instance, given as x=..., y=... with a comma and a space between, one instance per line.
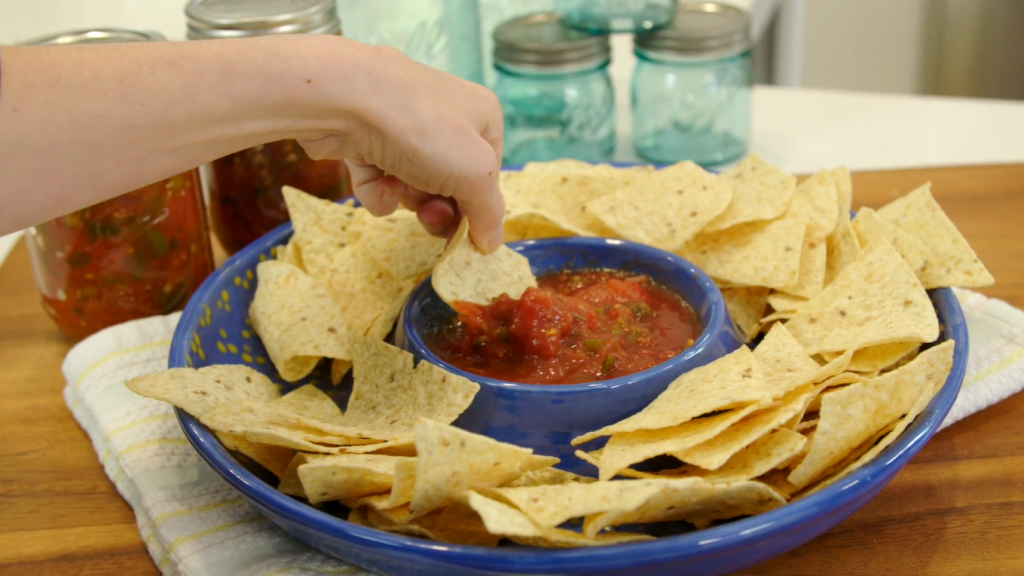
x=214, y=330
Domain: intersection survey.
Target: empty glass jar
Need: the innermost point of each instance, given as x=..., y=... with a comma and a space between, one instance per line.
x=444, y=34
x=691, y=87
x=555, y=92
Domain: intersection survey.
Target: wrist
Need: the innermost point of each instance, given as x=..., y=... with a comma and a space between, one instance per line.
x=308, y=85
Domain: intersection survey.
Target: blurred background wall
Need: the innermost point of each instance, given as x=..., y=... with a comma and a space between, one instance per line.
x=947, y=47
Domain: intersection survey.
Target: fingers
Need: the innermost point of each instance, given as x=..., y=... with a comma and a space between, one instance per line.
x=378, y=193
x=438, y=216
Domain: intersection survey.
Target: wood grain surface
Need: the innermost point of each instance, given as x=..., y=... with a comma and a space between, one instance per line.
x=957, y=508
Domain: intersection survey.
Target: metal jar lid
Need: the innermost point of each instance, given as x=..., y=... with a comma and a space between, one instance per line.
x=97, y=36
x=241, y=18
x=700, y=29
x=541, y=41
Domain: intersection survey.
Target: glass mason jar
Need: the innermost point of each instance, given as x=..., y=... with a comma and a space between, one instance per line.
x=444, y=34
x=245, y=187
x=604, y=16
x=555, y=92
x=691, y=87
x=140, y=254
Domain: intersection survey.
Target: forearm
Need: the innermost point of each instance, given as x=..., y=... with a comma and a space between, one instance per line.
x=80, y=124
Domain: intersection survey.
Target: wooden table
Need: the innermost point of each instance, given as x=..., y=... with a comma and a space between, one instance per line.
x=957, y=508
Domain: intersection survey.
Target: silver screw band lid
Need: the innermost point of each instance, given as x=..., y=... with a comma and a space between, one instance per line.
x=243, y=18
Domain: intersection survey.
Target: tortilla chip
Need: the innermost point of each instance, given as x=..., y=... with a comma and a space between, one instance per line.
x=401, y=246
x=385, y=321
x=202, y=391
x=783, y=302
x=884, y=441
x=389, y=395
x=358, y=517
x=547, y=477
x=667, y=207
x=310, y=402
x=561, y=198
x=755, y=254
x=397, y=447
x=951, y=261
x=339, y=368
x=875, y=300
x=817, y=201
x=290, y=483
x=297, y=320
x=877, y=358
x=746, y=307
x=870, y=228
x=842, y=248
x=290, y=253
x=274, y=458
x=561, y=166
x=257, y=423
x=345, y=476
x=527, y=226
x=731, y=382
x=759, y=457
x=776, y=479
x=463, y=273
x=844, y=191
x=322, y=228
x=362, y=288
x=450, y=461
x=850, y=415
x=404, y=483
x=550, y=506
x=627, y=448
x=621, y=176
x=712, y=454
x=820, y=389
x=505, y=520
x=760, y=192
x=812, y=268
x=784, y=364
x=694, y=500
x=456, y=524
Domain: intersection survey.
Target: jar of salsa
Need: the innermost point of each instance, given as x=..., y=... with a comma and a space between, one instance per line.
x=140, y=254
x=245, y=187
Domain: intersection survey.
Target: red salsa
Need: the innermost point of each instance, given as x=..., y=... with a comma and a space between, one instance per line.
x=245, y=189
x=578, y=326
x=140, y=254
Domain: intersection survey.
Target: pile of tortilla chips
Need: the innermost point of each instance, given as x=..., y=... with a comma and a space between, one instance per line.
x=842, y=369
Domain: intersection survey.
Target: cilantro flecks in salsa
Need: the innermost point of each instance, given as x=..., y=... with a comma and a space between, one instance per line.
x=140, y=254
x=578, y=326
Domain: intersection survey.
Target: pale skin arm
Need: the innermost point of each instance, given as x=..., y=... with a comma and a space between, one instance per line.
x=80, y=124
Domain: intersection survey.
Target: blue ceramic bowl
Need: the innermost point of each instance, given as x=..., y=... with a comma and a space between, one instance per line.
x=547, y=417
x=221, y=303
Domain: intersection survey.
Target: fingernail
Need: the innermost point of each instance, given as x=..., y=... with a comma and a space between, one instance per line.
x=495, y=240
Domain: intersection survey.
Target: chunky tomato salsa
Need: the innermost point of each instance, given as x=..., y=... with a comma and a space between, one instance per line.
x=578, y=326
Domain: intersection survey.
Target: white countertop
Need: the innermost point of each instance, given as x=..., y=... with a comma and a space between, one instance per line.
x=802, y=130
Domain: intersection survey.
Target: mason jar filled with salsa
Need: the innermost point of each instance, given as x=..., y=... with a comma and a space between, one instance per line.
x=140, y=254
x=245, y=187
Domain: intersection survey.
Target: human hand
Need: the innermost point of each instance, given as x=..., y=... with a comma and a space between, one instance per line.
x=426, y=140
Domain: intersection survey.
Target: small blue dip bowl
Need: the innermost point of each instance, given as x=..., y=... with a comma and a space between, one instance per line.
x=546, y=417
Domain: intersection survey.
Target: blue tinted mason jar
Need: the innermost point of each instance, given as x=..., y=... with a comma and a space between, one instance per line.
x=604, y=16
x=691, y=87
x=555, y=92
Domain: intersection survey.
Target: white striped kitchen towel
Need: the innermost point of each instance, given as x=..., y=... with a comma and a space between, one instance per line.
x=194, y=524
